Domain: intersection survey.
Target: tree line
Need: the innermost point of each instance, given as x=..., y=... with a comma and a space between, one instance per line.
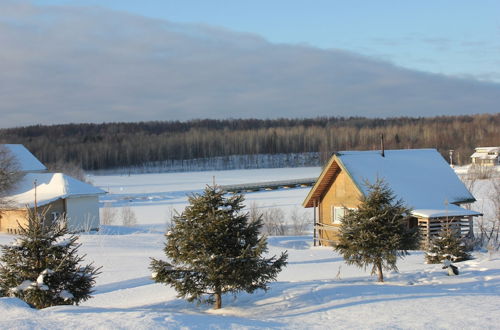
x=110, y=145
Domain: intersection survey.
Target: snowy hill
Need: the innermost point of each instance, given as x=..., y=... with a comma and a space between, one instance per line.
x=316, y=290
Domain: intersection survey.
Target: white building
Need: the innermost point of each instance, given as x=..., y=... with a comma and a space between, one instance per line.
x=487, y=156
x=57, y=195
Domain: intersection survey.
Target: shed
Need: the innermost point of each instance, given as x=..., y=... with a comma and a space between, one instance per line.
x=62, y=196
x=420, y=177
x=486, y=156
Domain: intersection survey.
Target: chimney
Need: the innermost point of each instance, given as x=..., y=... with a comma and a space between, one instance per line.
x=382, y=147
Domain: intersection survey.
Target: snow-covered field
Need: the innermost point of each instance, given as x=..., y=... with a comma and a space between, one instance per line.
x=316, y=289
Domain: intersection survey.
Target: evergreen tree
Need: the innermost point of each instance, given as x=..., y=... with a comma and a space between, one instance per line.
x=377, y=233
x=214, y=249
x=42, y=267
x=447, y=246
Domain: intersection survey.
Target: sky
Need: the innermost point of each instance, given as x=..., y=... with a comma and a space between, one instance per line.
x=111, y=60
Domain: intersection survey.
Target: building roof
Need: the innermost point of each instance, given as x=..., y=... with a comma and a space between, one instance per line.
x=483, y=155
x=49, y=187
x=27, y=161
x=420, y=177
x=487, y=149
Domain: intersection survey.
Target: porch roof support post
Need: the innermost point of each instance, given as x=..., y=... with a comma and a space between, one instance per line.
x=471, y=228
x=314, y=224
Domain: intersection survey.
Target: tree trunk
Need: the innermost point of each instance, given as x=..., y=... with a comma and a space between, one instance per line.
x=378, y=264
x=218, y=300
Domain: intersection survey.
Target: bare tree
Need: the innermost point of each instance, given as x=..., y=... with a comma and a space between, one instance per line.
x=274, y=222
x=71, y=169
x=489, y=228
x=10, y=174
x=300, y=220
x=108, y=214
x=129, y=218
x=254, y=213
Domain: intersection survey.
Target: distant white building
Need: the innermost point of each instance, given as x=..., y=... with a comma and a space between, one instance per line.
x=486, y=156
x=57, y=195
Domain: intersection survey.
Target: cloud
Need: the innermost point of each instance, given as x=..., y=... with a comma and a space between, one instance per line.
x=85, y=64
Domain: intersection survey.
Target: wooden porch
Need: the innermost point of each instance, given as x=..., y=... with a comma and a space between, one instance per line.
x=325, y=235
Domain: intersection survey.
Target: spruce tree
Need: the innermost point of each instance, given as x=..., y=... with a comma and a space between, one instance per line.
x=42, y=267
x=213, y=248
x=376, y=233
x=447, y=246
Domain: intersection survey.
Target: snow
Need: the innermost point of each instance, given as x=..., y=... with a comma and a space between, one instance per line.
x=49, y=187
x=483, y=155
x=449, y=211
x=66, y=295
x=27, y=161
x=317, y=290
x=421, y=177
x=64, y=243
x=25, y=285
x=40, y=279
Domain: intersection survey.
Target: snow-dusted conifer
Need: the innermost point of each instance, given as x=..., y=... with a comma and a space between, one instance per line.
x=446, y=246
x=42, y=267
x=213, y=249
x=376, y=233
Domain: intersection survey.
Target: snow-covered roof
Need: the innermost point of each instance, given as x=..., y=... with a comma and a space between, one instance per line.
x=420, y=177
x=483, y=155
x=449, y=210
x=49, y=187
x=487, y=149
x=27, y=161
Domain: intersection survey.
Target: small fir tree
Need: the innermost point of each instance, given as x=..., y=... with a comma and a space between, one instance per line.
x=447, y=246
x=377, y=233
x=214, y=249
x=42, y=267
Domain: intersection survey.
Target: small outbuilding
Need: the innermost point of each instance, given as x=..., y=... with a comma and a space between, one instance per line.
x=420, y=177
x=486, y=156
x=58, y=196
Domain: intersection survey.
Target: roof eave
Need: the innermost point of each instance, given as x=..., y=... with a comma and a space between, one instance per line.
x=326, y=174
x=309, y=200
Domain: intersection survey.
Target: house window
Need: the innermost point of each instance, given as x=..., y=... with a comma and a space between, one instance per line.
x=338, y=212
x=55, y=216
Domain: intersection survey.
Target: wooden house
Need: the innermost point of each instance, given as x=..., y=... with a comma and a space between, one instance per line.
x=58, y=196
x=486, y=156
x=420, y=177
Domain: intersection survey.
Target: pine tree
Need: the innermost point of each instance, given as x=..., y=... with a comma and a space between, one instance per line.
x=446, y=246
x=376, y=233
x=42, y=267
x=214, y=249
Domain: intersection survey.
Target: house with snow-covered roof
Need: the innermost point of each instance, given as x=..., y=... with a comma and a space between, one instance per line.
x=420, y=177
x=486, y=156
x=57, y=196
x=26, y=160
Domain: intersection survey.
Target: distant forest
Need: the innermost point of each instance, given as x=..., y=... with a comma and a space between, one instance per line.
x=112, y=145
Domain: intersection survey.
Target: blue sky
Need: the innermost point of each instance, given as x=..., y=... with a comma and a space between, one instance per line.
x=108, y=60
x=460, y=38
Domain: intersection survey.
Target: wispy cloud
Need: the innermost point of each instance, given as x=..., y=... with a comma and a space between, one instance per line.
x=69, y=64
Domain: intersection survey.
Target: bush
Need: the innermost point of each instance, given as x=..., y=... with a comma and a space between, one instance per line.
x=447, y=246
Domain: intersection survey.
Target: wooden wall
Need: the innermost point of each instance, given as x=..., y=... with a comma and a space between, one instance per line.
x=342, y=193
x=11, y=219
